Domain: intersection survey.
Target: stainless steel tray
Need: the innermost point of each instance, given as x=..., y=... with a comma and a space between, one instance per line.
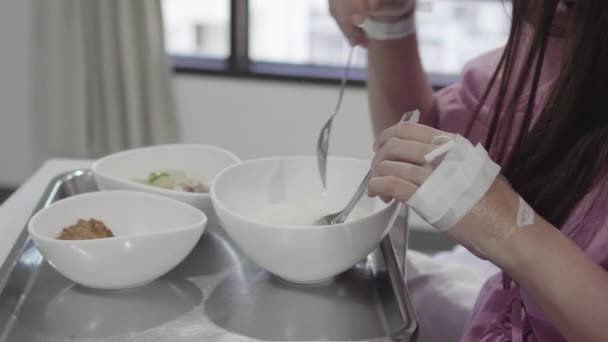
x=216, y=294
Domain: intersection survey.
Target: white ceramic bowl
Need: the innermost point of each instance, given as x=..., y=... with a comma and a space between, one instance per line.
x=152, y=234
x=300, y=254
x=202, y=162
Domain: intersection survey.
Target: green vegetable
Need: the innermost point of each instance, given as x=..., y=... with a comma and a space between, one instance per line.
x=154, y=176
x=174, y=180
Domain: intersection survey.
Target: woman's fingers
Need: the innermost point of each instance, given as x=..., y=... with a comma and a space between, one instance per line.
x=399, y=166
x=409, y=131
x=348, y=15
x=401, y=150
x=396, y=180
x=414, y=174
x=391, y=187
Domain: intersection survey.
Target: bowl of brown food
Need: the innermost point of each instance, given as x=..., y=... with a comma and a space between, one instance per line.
x=116, y=239
x=86, y=230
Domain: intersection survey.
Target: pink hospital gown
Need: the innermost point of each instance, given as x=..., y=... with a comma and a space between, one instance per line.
x=503, y=311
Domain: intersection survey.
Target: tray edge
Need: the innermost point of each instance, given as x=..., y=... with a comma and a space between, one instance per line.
x=21, y=243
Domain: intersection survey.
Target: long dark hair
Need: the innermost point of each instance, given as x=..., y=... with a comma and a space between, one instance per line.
x=555, y=162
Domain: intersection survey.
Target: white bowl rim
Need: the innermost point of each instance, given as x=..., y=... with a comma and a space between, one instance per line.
x=166, y=192
x=201, y=220
x=215, y=201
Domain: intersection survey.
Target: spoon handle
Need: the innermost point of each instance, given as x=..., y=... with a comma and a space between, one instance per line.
x=344, y=79
x=323, y=140
x=341, y=217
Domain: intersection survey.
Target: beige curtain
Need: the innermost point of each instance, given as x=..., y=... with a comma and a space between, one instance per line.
x=102, y=77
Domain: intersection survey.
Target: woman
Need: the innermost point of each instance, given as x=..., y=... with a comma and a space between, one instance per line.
x=537, y=107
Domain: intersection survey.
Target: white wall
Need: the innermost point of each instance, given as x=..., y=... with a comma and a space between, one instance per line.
x=252, y=118
x=268, y=118
x=16, y=159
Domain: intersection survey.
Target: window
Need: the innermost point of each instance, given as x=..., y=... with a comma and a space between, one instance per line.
x=308, y=34
x=197, y=28
x=452, y=32
x=300, y=36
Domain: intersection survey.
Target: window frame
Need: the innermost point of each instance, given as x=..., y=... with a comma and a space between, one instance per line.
x=239, y=65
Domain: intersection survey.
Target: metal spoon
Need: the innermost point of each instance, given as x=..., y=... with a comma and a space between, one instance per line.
x=342, y=215
x=323, y=140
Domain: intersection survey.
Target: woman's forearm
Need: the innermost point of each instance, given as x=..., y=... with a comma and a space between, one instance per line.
x=571, y=289
x=397, y=82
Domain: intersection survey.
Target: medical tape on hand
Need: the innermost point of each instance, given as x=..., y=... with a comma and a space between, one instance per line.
x=458, y=183
x=449, y=175
x=439, y=151
x=482, y=181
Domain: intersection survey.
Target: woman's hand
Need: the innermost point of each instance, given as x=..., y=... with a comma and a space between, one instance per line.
x=399, y=168
x=349, y=14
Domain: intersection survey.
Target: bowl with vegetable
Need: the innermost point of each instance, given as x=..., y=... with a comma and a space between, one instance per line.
x=181, y=171
x=116, y=239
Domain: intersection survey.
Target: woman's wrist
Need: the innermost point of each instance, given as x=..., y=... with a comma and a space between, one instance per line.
x=409, y=14
x=389, y=28
x=517, y=252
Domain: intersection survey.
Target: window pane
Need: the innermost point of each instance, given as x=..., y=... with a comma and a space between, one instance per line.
x=299, y=32
x=451, y=32
x=197, y=28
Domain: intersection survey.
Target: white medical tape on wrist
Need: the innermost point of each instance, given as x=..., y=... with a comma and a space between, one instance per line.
x=525, y=214
x=458, y=183
x=381, y=30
